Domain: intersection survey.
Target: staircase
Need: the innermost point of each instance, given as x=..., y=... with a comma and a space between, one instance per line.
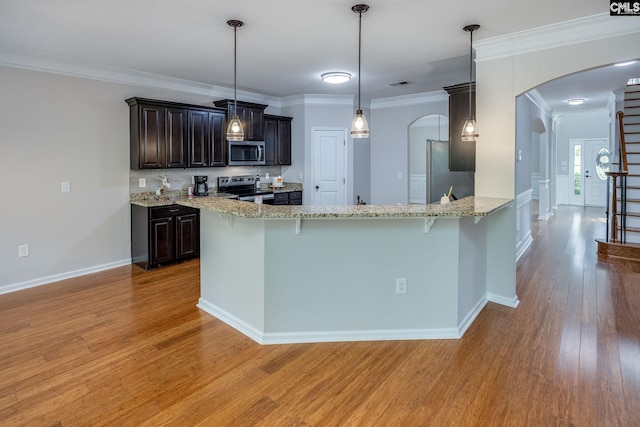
x=623, y=210
x=631, y=136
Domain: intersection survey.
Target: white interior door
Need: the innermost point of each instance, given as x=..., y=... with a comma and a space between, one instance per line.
x=595, y=188
x=585, y=187
x=329, y=172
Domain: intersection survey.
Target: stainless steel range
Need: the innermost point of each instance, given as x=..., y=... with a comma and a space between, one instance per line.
x=245, y=187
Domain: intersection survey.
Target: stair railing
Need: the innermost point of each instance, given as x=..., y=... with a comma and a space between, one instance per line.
x=622, y=173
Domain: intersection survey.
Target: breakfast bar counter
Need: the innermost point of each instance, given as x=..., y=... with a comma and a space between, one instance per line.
x=285, y=274
x=469, y=206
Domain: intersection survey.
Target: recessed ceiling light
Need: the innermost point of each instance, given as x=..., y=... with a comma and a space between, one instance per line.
x=336, y=77
x=575, y=101
x=624, y=64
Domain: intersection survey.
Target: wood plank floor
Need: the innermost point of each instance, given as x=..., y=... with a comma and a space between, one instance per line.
x=129, y=348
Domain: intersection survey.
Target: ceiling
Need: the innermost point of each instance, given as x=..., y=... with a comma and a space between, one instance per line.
x=285, y=45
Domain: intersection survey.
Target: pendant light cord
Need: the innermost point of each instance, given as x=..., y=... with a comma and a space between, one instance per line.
x=470, y=69
x=359, y=55
x=235, y=66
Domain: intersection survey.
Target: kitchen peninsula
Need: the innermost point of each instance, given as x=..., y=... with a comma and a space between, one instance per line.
x=285, y=274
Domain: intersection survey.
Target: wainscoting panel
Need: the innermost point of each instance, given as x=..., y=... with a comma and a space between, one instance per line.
x=523, y=222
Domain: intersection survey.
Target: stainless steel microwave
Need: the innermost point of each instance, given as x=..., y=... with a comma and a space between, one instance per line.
x=246, y=153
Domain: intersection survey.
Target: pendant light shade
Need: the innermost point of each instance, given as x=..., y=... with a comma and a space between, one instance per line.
x=359, y=126
x=469, y=130
x=234, y=130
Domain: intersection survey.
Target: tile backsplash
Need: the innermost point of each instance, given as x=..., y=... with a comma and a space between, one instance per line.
x=181, y=179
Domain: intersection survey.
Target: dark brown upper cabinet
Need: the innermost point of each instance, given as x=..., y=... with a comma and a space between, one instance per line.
x=251, y=116
x=173, y=135
x=277, y=140
x=206, y=138
x=462, y=154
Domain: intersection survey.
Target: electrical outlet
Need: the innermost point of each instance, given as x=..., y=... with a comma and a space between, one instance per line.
x=399, y=175
x=300, y=176
x=66, y=186
x=401, y=286
x=142, y=182
x=23, y=250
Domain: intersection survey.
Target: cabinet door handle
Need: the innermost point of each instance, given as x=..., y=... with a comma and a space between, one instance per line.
x=173, y=210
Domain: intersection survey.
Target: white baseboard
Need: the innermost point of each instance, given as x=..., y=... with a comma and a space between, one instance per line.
x=509, y=302
x=62, y=276
x=545, y=217
x=471, y=316
x=340, y=336
x=231, y=320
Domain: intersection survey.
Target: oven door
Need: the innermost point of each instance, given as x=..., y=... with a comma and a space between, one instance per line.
x=246, y=153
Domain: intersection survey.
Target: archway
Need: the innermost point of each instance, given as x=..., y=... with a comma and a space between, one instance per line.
x=432, y=127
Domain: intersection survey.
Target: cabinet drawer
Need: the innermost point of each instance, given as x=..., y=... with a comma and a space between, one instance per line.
x=295, y=195
x=171, y=210
x=281, y=197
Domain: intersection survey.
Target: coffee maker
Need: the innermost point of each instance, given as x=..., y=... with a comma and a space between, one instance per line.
x=201, y=188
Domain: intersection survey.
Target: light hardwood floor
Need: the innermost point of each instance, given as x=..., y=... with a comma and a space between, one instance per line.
x=130, y=348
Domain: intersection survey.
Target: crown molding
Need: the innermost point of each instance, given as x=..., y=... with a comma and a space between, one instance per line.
x=537, y=99
x=308, y=99
x=16, y=58
x=565, y=33
x=407, y=100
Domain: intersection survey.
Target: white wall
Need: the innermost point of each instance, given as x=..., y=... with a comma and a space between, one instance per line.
x=579, y=125
x=334, y=112
x=503, y=74
x=56, y=128
x=390, y=121
x=501, y=78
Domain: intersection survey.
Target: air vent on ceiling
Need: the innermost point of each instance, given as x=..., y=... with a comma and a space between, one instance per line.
x=399, y=83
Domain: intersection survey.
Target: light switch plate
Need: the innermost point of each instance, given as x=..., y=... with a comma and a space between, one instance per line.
x=66, y=186
x=23, y=251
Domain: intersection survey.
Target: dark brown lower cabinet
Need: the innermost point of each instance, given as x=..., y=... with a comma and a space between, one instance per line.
x=288, y=198
x=164, y=234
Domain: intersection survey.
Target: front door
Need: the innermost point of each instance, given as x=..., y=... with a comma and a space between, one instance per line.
x=586, y=187
x=595, y=186
x=329, y=172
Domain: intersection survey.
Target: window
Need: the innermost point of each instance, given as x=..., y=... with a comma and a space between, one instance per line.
x=577, y=170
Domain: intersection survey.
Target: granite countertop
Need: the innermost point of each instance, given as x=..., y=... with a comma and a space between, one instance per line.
x=287, y=187
x=150, y=199
x=469, y=206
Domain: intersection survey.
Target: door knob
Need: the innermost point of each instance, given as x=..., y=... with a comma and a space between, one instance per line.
x=317, y=187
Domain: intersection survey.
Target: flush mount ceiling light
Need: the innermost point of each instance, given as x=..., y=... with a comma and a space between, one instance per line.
x=470, y=130
x=234, y=130
x=624, y=64
x=575, y=101
x=359, y=126
x=336, y=77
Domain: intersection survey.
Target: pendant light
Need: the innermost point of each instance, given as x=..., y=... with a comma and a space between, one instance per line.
x=359, y=126
x=469, y=130
x=234, y=130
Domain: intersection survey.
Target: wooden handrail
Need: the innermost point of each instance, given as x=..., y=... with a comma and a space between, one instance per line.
x=623, y=147
x=622, y=174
